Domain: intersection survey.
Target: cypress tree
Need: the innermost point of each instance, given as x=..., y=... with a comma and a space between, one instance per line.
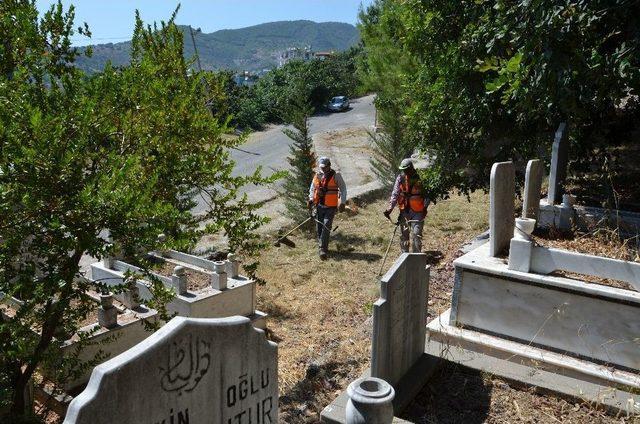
x=302, y=158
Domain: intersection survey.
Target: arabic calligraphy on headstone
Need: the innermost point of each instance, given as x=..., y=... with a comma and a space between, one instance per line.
x=188, y=361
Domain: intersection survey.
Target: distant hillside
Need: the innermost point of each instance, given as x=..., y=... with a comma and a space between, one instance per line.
x=252, y=48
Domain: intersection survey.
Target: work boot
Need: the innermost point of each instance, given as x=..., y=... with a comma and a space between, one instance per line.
x=323, y=254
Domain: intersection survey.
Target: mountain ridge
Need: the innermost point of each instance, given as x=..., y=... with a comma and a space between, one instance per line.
x=251, y=48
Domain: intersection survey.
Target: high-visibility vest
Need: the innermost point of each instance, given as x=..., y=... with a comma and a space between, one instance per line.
x=325, y=189
x=411, y=195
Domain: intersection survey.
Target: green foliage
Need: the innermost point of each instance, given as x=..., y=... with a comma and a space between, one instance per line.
x=128, y=150
x=302, y=158
x=478, y=82
x=321, y=79
x=251, y=48
x=390, y=147
x=270, y=100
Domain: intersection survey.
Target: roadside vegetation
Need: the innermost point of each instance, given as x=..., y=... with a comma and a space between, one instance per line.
x=302, y=158
x=269, y=101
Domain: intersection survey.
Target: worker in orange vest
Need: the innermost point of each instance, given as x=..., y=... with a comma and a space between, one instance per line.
x=412, y=200
x=328, y=194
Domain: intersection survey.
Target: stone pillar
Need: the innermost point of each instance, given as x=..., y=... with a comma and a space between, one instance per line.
x=108, y=260
x=233, y=266
x=566, y=216
x=370, y=401
x=107, y=313
x=502, y=195
x=559, y=160
x=130, y=297
x=179, y=280
x=532, y=187
x=521, y=246
x=219, y=276
x=161, y=239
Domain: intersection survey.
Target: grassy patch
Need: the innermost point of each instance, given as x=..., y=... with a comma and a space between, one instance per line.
x=320, y=311
x=320, y=315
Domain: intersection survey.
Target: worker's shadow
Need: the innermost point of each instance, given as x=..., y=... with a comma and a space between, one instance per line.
x=345, y=249
x=354, y=256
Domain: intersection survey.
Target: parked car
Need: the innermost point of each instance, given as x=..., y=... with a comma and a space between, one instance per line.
x=338, y=104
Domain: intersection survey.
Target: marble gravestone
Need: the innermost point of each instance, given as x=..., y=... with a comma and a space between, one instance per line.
x=502, y=196
x=400, y=318
x=190, y=371
x=559, y=160
x=532, y=187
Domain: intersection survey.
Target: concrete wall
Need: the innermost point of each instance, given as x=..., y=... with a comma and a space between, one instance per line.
x=110, y=342
x=238, y=299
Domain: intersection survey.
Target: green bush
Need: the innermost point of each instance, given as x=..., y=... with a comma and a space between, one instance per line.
x=483, y=81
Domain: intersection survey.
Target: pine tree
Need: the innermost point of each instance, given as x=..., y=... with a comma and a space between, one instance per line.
x=389, y=148
x=302, y=157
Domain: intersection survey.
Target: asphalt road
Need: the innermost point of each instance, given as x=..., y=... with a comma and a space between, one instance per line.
x=270, y=148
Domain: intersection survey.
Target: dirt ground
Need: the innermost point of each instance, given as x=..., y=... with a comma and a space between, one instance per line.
x=320, y=315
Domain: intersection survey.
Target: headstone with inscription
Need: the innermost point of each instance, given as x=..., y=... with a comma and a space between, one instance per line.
x=400, y=318
x=198, y=371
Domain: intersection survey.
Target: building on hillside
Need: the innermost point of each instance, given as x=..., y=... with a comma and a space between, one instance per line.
x=323, y=55
x=295, y=53
x=246, y=78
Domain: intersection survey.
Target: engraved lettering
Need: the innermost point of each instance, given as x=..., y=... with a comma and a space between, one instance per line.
x=253, y=391
x=267, y=412
x=242, y=387
x=231, y=396
x=183, y=419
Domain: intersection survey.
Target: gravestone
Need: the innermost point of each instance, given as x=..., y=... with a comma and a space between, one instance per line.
x=532, y=187
x=502, y=195
x=559, y=160
x=190, y=371
x=400, y=318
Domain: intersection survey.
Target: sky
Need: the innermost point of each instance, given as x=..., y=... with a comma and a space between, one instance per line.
x=111, y=21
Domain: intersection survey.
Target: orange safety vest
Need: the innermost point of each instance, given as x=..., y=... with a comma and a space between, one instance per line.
x=325, y=190
x=411, y=196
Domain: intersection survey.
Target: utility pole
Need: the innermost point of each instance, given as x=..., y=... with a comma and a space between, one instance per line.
x=195, y=49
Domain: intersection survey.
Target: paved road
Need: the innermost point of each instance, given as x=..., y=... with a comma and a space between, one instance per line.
x=271, y=147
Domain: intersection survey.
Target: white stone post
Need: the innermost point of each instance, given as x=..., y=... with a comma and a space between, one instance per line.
x=161, y=239
x=179, y=280
x=107, y=313
x=108, y=260
x=130, y=297
x=521, y=246
x=219, y=276
x=233, y=266
x=370, y=401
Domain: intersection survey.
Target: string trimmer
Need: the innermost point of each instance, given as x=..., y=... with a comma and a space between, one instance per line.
x=397, y=224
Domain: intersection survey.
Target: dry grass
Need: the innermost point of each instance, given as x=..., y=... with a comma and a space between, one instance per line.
x=600, y=242
x=320, y=311
x=458, y=394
